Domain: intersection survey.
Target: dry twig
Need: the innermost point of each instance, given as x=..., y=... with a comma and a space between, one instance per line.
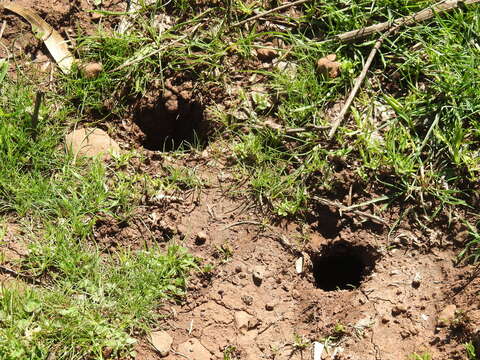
x=420, y=16
x=344, y=208
x=2, y=29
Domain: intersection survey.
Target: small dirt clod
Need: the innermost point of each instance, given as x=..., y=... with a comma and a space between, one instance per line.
x=91, y=70
x=201, y=238
x=266, y=54
x=398, y=309
x=258, y=274
x=269, y=306
x=328, y=67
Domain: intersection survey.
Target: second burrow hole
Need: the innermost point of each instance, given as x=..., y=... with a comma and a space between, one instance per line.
x=342, y=266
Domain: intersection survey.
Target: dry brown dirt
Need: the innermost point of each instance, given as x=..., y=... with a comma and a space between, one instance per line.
x=257, y=303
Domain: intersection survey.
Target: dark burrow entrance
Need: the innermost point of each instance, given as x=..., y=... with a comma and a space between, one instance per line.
x=342, y=266
x=174, y=120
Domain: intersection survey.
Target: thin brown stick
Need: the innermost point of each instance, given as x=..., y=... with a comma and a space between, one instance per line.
x=281, y=7
x=358, y=83
x=418, y=17
x=2, y=29
x=344, y=208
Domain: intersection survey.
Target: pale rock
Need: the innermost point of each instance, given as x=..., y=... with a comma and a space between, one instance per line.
x=91, y=70
x=317, y=350
x=91, y=142
x=162, y=342
x=299, y=265
x=258, y=274
x=243, y=321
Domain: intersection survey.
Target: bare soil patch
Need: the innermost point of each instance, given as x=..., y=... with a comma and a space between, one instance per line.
x=372, y=296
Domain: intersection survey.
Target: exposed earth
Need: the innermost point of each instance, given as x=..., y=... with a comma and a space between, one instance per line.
x=273, y=290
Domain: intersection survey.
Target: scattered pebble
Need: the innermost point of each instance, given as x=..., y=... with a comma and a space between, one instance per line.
x=91, y=142
x=258, y=274
x=238, y=269
x=317, y=350
x=447, y=315
x=247, y=299
x=266, y=54
x=299, y=265
x=328, y=67
x=201, y=238
x=242, y=321
x=162, y=342
x=193, y=349
x=288, y=68
x=269, y=306
x=91, y=70
x=416, y=281
x=398, y=309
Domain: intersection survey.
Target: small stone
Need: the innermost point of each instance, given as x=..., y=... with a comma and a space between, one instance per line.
x=328, y=67
x=385, y=320
x=242, y=320
x=194, y=350
x=91, y=142
x=318, y=350
x=399, y=309
x=447, y=315
x=266, y=54
x=253, y=323
x=91, y=70
x=162, y=342
x=299, y=265
x=269, y=306
x=247, y=299
x=238, y=269
x=201, y=238
x=258, y=274
x=416, y=281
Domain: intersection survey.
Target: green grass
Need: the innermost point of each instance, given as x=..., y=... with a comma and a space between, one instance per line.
x=89, y=304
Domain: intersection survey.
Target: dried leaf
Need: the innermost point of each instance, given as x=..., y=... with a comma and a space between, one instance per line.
x=52, y=39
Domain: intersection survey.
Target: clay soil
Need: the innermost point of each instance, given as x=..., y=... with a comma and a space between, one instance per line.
x=271, y=292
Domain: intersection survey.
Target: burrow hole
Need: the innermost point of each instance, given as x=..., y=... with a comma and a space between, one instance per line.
x=173, y=121
x=342, y=266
